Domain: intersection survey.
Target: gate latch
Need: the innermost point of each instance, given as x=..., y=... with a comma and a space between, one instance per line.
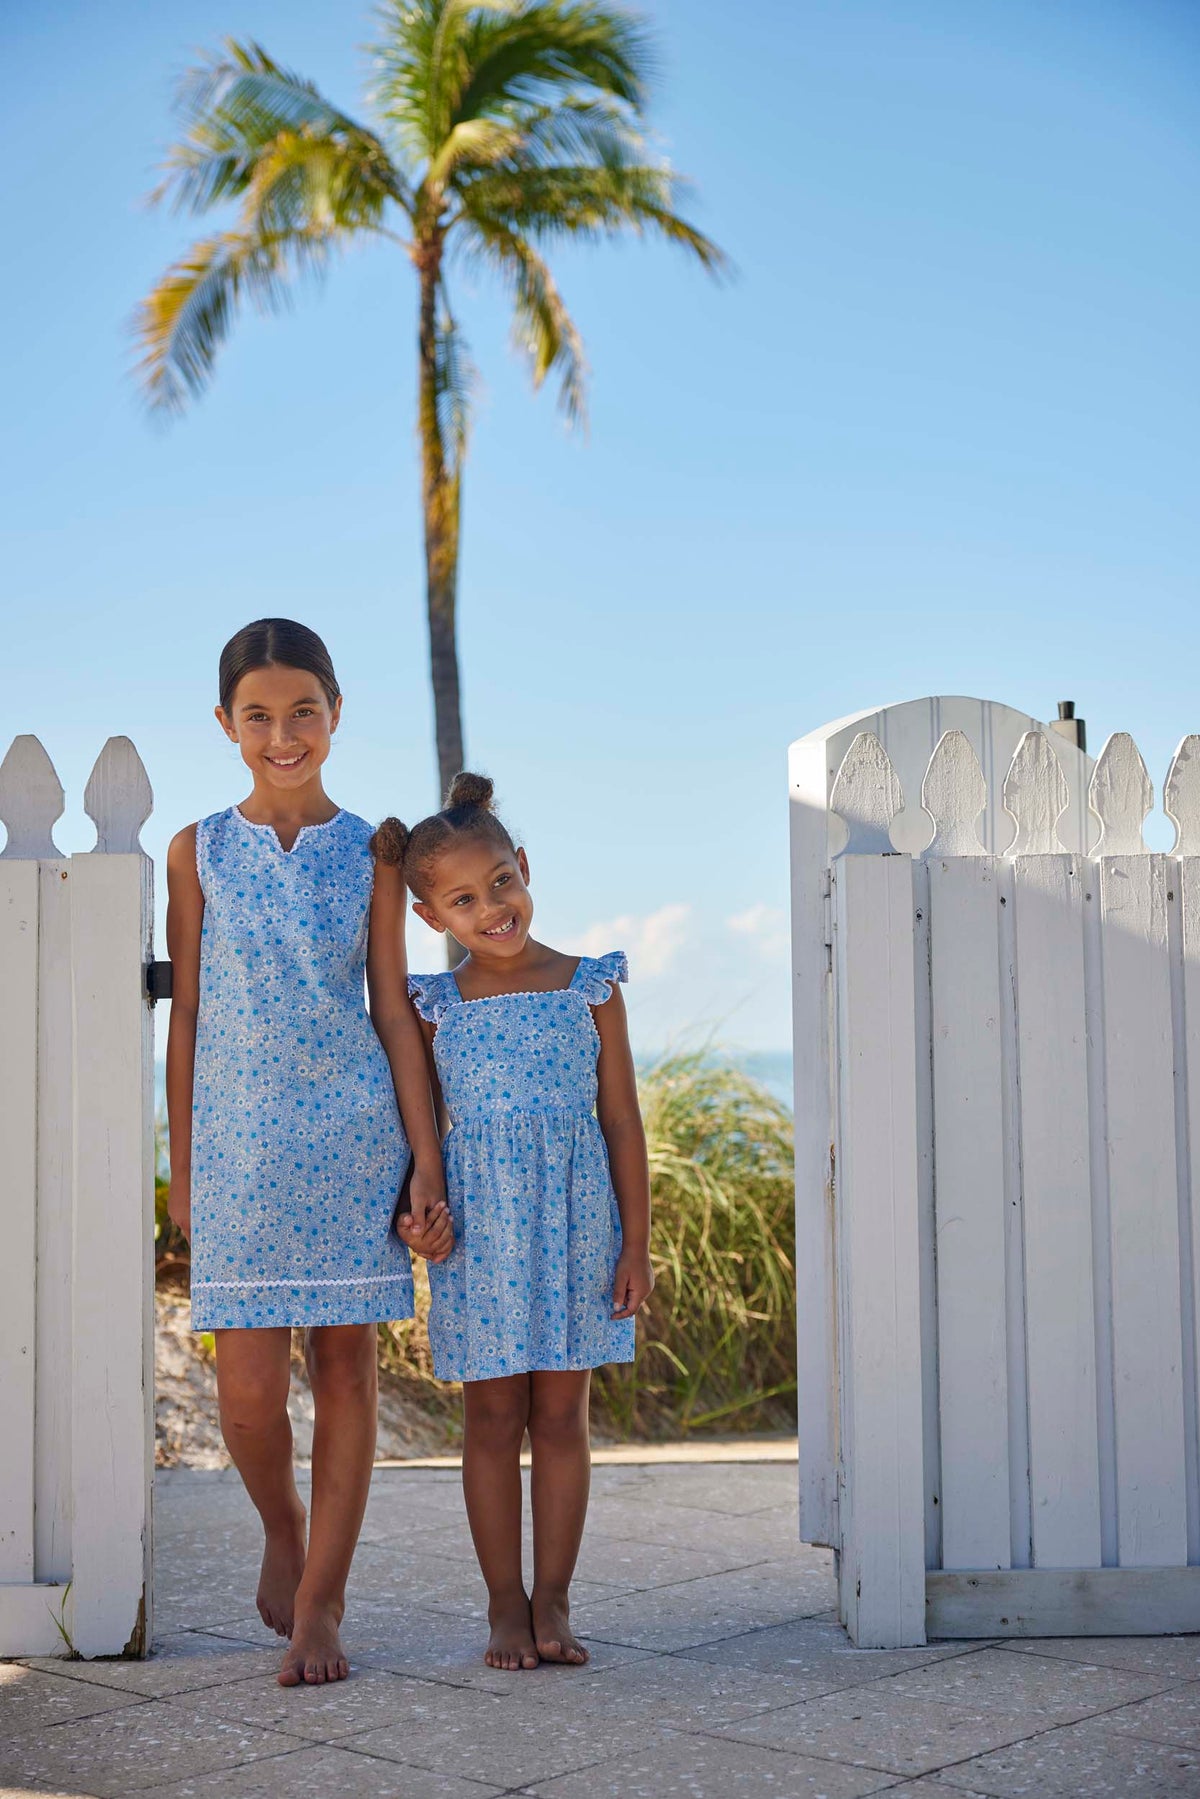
x=158, y=981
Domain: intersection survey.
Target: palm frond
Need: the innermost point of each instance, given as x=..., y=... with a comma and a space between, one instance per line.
x=183, y=322
x=235, y=105
x=522, y=54
x=543, y=329
x=302, y=180
x=586, y=201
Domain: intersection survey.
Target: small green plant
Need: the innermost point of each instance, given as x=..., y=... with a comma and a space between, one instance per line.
x=60, y=1623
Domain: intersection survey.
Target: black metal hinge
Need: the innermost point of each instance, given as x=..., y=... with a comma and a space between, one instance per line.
x=158, y=981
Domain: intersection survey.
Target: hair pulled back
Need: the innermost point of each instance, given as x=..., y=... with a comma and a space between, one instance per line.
x=468, y=812
x=270, y=642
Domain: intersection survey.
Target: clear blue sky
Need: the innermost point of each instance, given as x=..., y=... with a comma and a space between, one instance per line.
x=939, y=436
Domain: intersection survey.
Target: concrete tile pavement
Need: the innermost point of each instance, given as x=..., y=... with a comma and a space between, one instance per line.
x=718, y=1669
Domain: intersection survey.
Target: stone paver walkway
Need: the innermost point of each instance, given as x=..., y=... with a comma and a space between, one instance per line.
x=718, y=1669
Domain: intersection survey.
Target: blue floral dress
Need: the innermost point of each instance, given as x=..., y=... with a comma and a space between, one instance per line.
x=298, y=1151
x=537, y=1232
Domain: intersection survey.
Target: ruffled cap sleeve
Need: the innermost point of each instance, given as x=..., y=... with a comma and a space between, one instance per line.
x=596, y=976
x=430, y=994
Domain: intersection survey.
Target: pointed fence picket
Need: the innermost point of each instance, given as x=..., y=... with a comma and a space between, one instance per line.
x=1048, y=1187
x=76, y=1206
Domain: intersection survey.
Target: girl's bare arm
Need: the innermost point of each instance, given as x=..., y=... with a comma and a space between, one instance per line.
x=185, y=920
x=400, y=1033
x=621, y=1123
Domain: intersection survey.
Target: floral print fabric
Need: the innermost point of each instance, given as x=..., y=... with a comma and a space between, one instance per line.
x=536, y=1226
x=297, y=1146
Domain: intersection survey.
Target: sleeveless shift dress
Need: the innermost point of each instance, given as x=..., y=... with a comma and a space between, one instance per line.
x=298, y=1151
x=537, y=1232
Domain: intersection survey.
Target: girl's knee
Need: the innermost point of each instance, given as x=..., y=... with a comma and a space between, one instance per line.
x=497, y=1413
x=342, y=1359
x=560, y=1419
x=248, y=1411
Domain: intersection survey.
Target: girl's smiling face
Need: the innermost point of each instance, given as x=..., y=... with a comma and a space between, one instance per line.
x=282, y=722
x=479, y=890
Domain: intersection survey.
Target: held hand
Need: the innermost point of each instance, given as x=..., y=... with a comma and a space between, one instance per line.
x=435, y=1241
x=179, y=1204
x=633, y=1283
x=426, y=1191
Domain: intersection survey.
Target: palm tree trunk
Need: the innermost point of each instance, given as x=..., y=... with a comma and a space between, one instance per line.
x=440, y=499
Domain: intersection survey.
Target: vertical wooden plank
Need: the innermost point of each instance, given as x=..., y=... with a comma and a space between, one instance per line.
x=969, y=1204
x=816, y=1361
x=926, y=1221
x=1048, y=903
x=882, y=1563
x=1143, y=1212
x=18, y=1211
x=112, y=1422
x=56, y=1123
x=1187, y=875
x=1019, y=1523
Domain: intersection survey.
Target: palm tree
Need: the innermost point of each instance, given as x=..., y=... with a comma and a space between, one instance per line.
x=503, y=126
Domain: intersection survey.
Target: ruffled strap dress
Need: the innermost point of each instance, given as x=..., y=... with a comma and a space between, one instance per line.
x=536, y=1225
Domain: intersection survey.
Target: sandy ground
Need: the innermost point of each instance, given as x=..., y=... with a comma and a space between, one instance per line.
x=187, y=1429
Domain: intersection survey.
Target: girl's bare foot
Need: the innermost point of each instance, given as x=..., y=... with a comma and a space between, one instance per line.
x=315, y=1654
x=552, y=1633
x=282, y=1567
x=510, y=1645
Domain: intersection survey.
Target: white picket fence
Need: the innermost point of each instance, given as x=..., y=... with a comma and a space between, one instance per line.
x=1005, y=1261
x=76, y=1213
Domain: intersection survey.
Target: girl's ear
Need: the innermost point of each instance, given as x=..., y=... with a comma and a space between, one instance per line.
x=523, y=865
x=430, y=917
x=219, y=715
x=335, y=716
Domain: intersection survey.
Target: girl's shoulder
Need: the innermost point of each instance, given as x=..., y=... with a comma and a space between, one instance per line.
x=431, y=994
x=596, y=976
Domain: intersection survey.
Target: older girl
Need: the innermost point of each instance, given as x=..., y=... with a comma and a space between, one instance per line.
x=287, y=1146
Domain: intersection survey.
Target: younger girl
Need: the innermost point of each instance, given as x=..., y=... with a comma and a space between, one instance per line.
x=287, y=1149
x=551, y=1259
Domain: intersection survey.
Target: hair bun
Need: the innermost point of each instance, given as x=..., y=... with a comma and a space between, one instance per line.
x=467, y=789
x=389, y=842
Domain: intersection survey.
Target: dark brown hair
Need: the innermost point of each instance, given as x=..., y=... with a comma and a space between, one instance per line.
x=271, y=642
x=468, y=812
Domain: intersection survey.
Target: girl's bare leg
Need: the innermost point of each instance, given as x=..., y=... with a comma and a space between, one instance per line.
x=562, y=1472
x=495, y=1413
x=343, y=1373
x=252, y=1388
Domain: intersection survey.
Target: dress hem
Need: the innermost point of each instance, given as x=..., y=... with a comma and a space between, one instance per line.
x=440, y=1372
x=297, y=1305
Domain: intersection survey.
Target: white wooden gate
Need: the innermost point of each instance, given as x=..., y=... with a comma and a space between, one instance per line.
x=998, y=1112
x=76, y=1213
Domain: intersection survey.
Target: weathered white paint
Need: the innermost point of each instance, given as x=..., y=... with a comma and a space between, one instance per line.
x=1051, y=1168
x=18, y=1261
x=969, y=1191
x=55, y=1226
x=954, y=794
x=112, y=1422
x=1051, y=1046
x=76, y=1211
x=31, y=801
x=1188, y=1140
x=866, y=796
x=909, y=732
x=1181, y=797
x=1121, y=796
x=117, y=798
x=1035, y=796
x=1143, y=1212
x=882, y=1563
x=1064, y=1602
